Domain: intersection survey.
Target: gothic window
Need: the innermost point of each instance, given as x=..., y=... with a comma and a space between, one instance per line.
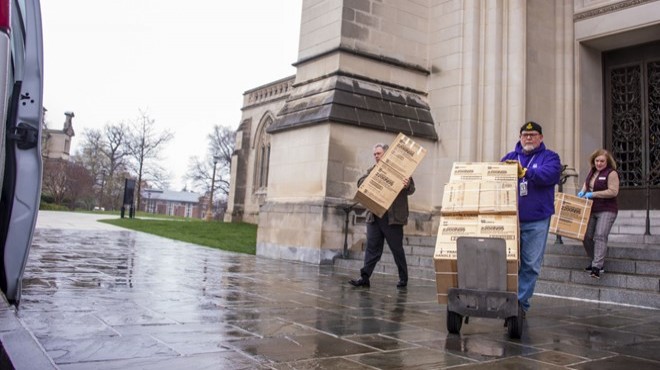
x=262, y=151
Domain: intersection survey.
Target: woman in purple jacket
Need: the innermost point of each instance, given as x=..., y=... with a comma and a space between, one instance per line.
x=602, y=186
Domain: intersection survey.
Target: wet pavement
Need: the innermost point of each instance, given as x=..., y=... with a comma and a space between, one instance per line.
x=100, y=297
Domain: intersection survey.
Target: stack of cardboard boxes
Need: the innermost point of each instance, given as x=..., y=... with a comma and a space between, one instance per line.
x=378, y=191
x=480, y=200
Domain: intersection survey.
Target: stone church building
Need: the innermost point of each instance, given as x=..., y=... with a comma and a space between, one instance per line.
x=459, y=77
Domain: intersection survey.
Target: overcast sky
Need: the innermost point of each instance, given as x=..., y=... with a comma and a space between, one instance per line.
x=185, y=63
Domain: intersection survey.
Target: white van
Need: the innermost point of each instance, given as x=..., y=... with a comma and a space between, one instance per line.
x=21, y=112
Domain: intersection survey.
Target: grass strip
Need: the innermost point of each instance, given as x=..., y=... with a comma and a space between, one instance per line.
x=233, y=237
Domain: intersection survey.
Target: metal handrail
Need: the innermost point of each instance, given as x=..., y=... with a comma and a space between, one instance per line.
x=562, y=180
x=347, y=209
x=648, y=205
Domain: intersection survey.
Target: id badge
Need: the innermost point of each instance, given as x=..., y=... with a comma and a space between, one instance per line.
x=523, y=188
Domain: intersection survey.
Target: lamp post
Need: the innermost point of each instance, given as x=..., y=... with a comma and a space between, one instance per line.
x=209, y=213
x=102, y=189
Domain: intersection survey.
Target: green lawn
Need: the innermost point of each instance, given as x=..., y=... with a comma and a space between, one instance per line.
x=234, y=237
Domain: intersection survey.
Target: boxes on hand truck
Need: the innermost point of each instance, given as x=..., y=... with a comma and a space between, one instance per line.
x=477, y=248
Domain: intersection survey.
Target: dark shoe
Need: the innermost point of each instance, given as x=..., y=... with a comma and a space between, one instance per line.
x=588, y=268
x=360, y=282
x=402, y=284
x=595, y=273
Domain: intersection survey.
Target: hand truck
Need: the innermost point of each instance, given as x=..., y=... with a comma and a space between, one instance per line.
x=482, y=286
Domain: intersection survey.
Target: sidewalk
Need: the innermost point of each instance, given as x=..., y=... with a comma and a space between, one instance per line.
x=100, y=297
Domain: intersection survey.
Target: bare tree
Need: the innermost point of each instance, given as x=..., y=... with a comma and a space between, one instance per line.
x=143, y=145
x=221, y=144
x=79, y=186
x=68, y=182
x=200, y=171
x=91, y=154
x=54, y=182
x=115, y=152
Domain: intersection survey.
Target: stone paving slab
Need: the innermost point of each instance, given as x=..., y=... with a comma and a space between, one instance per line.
x=108, y=298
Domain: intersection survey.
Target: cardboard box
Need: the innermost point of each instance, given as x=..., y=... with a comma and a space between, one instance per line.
x=484, y=171
x=501, y=172
x=450, y=228
x=466, y=171
x=385, y=181
x=379, y=189
x=448, y=265
x=571, y=216
x=502, y=227
x=487, y=226
x=498, y=197
x=404, y=155
x=461, y=197
x=480, y=197
x=446, y=280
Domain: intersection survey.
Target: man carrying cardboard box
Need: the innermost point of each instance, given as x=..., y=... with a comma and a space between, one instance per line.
x=389, y=227
x=539, y=172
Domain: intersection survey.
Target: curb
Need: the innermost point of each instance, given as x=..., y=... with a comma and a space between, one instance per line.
x=18, y=348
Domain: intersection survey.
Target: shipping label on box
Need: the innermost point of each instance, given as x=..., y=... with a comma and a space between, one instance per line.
x=461, y=198
x=484, y=171
x=501, y=227
x=404, y=155
x=571, y=216
x=379, y=189
x=466, y=171
x=501, y=172
x=498, y=197
x=452, y=227
x=385, y=181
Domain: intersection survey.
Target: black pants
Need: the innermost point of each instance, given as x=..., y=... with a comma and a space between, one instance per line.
x=377, y=233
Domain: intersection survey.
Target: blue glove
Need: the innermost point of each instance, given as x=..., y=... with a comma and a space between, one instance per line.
x=580, y=194
x=589, y=195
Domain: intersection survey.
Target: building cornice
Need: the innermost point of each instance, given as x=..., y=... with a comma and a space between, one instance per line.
x=367, y=55
x=597, y=12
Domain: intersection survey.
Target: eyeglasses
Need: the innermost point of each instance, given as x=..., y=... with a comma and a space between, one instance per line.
x=529, y=136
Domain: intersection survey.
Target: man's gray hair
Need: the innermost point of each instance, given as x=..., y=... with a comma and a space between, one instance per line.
x=381, y=145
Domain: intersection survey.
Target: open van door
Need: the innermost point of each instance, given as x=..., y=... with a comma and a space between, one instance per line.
x=21, y=110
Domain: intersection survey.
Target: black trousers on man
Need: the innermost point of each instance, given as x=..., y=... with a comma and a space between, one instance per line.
x=377, y=233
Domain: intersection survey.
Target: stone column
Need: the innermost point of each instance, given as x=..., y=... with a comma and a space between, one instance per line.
x=361, y=79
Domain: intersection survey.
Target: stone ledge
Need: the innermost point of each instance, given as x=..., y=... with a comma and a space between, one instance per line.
x=19, y=349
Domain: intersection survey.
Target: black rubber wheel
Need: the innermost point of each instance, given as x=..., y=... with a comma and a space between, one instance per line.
x=514, y=324
x=454, y=322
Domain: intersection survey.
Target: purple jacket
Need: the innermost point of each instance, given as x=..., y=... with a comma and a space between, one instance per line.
x=543, y=173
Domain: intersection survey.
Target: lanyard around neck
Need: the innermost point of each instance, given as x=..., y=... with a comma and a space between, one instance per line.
x=528, y=163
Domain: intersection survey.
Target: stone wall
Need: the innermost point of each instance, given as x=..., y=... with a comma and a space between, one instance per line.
x=460, y=77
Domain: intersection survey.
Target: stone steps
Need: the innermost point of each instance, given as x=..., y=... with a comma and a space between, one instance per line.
x=419, y=255
x=632, y=224
x=632, y=269
x=632, y=273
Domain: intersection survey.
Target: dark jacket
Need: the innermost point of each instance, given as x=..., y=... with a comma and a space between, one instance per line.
x=397, y=214
x=543, y=173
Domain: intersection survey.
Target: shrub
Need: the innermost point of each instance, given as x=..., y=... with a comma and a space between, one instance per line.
x=52, y=207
